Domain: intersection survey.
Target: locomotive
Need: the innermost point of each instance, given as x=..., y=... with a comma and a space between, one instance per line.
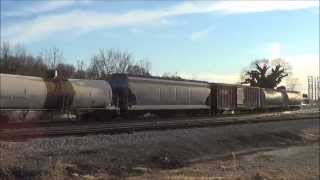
x=123, y=94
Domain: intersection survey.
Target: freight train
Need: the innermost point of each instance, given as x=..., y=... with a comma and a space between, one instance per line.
x=123, y=94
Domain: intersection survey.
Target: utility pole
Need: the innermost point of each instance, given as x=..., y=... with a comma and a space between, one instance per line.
x=313, y=89
x=310, y=88
x=318, y=88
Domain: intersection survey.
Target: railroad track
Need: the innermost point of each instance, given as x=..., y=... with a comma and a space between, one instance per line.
x=66, y=122
x=83, y=128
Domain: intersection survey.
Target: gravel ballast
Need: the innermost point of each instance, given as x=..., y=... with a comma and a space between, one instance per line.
x=121, y=155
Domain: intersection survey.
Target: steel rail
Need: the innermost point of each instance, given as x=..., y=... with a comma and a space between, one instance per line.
x=122, y=127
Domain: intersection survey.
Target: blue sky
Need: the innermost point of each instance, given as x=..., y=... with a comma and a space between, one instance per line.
x=206, y=40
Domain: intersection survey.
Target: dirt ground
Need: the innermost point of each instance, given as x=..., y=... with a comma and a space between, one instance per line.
x=296, y=162
x=273, y=150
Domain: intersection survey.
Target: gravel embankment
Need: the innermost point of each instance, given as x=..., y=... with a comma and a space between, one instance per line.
x=119, y=155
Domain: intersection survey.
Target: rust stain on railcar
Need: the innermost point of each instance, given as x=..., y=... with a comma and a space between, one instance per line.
x=60, y=94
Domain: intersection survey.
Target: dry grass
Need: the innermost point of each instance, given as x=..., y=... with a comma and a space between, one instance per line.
x=264, y=157
x=257, y=176
x=8, y=160
x=56, y=171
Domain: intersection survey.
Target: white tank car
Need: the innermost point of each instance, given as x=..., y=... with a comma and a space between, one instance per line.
x=271, y=98
x=27, y=92
x=294, y=98
x=22, y=92
x=91, y=93
x=25, y=97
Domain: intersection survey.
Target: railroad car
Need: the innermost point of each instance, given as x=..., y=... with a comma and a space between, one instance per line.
x=133, y=93
x=22, y=92
x=248, y=98
x=232, y=97
x=294, y=99
x=28, y=97
x=27, y=94
x=223, y=97
x=272, y=99
x=90, y=94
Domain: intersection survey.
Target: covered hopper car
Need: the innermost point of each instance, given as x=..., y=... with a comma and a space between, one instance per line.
x=155, y=94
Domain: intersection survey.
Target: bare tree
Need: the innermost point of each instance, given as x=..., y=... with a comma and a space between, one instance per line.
x=124, y=61
x=107, y=59
x=114, y=61
x=16, y=60
x=174, y=76
x=39, y=67
x=4, y=56
x=80, y=72
x=5, y=51
x=20, y=51
x=145, y=65
x=80, y=65
x=111, y=61
x=104, y=63
x=93, y=70
x=23, y=61
x=140, y=68
x=53, y=57
x=65, y=71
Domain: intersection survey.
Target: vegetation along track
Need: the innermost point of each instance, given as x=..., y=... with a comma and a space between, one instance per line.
x=83, y=128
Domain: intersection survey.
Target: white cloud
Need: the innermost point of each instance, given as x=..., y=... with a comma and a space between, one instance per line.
x=275, y=50
x=45, y=25
x=263, y=6
x=39, y=7
x=198, y=35
x=303, y=65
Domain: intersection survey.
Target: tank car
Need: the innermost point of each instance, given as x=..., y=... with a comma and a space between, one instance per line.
x=132, y=93
x=272, y=99
x=295, y=99
x=90, y=94
x=25, y=95
x=22, y=98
